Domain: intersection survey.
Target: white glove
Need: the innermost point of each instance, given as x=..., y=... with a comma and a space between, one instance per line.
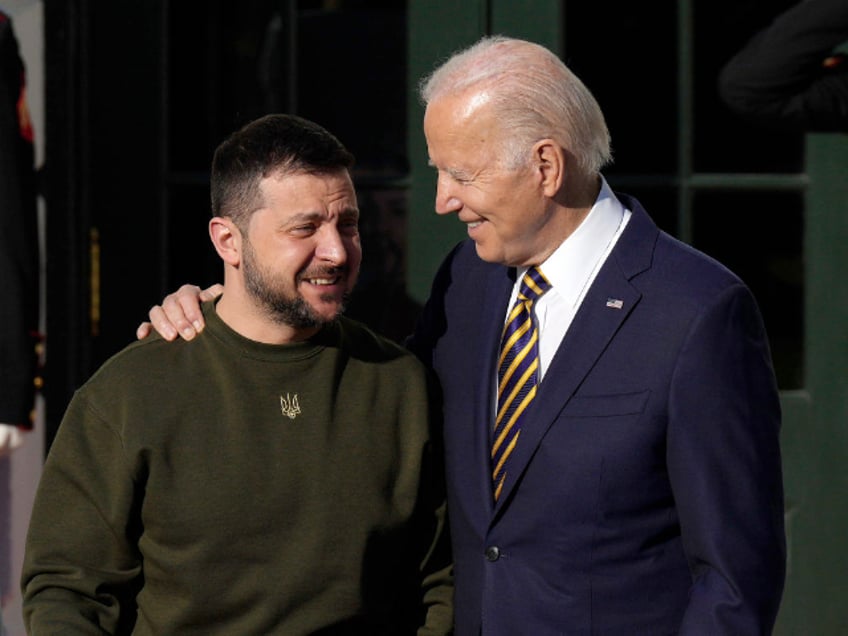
x=11, y=437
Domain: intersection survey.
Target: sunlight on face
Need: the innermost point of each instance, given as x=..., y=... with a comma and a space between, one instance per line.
x=503, y=208
x=302, y=253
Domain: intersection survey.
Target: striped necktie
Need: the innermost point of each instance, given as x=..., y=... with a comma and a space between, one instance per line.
x=517, y=373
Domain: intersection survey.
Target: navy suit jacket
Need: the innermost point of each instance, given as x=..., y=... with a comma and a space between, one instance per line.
x=648, y=498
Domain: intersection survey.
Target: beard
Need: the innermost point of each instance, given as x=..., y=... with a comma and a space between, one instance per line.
x=282, y=306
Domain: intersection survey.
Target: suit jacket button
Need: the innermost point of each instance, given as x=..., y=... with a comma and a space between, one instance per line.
x=492, y=553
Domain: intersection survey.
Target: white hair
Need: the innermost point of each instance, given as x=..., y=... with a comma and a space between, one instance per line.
x=532, y=93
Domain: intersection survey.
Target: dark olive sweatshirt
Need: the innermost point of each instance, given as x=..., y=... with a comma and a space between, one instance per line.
x=223, y=486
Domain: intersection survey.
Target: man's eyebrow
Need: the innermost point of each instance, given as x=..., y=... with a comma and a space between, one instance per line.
x=306, y=217
x=302, y=217
x=455, y=173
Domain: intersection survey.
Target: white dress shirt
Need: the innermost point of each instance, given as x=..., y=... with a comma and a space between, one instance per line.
x=572, y=269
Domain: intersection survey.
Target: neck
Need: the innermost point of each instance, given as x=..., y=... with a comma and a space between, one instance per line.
x=242, y=314
x=579, y=193
x=570, y=208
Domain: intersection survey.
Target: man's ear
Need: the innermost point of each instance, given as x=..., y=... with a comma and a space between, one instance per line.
x=549, y=159
x=226, y=238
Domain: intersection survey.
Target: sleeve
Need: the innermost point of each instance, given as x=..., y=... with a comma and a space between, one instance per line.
x=81, y=566
x=788, y=76
x=437, y=566
x=432, y=322
x=18, y=240
x=725, y=469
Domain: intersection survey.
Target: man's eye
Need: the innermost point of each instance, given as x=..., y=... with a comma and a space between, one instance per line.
x=303, y=230
x=349, y=227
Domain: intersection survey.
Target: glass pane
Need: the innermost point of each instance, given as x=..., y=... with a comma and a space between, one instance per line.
x=629, y=64
x=760, y=237
x=214, y=75
x=722, y=141
x=352, y=79
x=340, y=63
x=188, y=257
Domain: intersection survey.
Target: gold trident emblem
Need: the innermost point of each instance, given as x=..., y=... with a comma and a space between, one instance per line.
x=289, y=406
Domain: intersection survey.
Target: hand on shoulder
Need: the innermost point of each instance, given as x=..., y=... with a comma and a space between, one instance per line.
x=179, y=314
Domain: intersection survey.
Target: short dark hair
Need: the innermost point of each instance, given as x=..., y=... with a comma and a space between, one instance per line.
x=277, y=143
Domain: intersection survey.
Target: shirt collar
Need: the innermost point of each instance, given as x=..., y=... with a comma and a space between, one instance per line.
x=572, y=264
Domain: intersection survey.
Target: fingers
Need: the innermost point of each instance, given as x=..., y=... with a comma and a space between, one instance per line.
x=211, y=292
x=161, y=323
x=180, y=313
x=144, y=330
x=183, y=311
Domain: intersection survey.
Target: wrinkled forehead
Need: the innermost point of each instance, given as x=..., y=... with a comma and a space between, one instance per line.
x=461, y=126
x=300, y=189
x=460, y=107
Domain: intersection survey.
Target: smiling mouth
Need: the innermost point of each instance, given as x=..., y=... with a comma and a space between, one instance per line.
x=323, y=281
x=474, y=224
x=327, y=278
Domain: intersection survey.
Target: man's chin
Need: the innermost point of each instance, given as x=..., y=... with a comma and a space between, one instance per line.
x=485, y=253
x=329, y=308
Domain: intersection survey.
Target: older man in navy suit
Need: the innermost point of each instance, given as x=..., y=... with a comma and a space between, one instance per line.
x=611, y=413
x=643, y=491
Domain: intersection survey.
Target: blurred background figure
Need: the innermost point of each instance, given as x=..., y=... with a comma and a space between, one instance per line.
x=791, y=75
x=381, y=299
x=18, y=270
x=18, y=247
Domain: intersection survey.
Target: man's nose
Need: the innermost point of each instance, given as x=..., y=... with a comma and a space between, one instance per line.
x=446, y=201
x=331, y=247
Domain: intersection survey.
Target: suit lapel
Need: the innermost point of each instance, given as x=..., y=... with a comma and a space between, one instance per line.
x=606, y=306
x=493, y=310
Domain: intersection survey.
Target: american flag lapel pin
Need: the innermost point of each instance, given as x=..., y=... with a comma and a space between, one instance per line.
x=615, y=303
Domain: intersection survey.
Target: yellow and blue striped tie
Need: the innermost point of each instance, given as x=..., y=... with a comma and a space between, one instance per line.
x=517, y=373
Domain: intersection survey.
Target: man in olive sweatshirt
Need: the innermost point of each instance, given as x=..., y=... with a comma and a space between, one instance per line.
x=279, y=474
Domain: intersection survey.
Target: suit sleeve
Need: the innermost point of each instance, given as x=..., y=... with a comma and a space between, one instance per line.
x=81, y=565
x=725, y=468
x=432, y=322
x=438, y=585
x=437, y=565
x=780, y=77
